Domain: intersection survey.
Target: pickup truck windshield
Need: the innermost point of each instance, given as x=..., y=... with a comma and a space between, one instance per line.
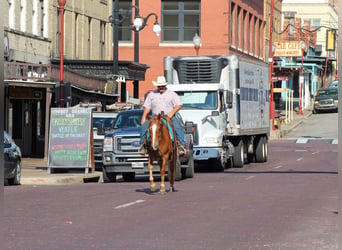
x=128, y=120
x=199, y=100
x=106, y=122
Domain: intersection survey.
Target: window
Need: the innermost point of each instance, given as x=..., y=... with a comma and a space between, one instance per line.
x=180, y=20
x=125, y=15
x=102, y=39
x=315, y=22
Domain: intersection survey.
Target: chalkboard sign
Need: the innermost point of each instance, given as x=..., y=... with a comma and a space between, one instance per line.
x=69, y=140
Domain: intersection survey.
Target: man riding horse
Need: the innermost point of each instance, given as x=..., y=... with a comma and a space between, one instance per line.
x=162, y=100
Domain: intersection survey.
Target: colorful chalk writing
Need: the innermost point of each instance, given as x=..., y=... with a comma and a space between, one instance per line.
x=69, y=137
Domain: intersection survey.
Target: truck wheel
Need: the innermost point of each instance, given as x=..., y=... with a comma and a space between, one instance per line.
x=261, y=150
x=128, y=176
x=178, y=176
x=239, y=155
x=108, y=177
x=266, y=148
x=189, y=171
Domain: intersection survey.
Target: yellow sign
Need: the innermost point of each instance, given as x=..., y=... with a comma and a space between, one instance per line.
x=288, y=49
x=330, y=40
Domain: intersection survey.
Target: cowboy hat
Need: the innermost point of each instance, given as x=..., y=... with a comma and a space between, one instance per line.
x=161, y=81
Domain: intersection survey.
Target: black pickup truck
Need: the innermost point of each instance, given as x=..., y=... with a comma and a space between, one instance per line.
x=120, y=149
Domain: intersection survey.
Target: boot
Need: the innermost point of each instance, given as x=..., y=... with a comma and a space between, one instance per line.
x=142, y=150
x=180, y=149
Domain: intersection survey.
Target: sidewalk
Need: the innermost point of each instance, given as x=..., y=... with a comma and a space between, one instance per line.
x=286, y=128
x=35, y=170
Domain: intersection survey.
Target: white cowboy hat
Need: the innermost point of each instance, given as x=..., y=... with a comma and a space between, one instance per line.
x=161, y=81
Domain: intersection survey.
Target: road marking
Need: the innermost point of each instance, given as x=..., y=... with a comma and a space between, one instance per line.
x=299, y=159
x=315, y=152
x=278, y=167
x=129, y=204
x=302, y=140
x=300, y=150
x=250, y=177
x=335, y=141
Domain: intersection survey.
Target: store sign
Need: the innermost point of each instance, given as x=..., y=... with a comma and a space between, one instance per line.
x=288, y=49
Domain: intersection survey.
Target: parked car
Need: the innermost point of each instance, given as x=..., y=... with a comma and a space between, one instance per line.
x=326, y=99
x=333, y=85
x=102, y=123
x=12, y=160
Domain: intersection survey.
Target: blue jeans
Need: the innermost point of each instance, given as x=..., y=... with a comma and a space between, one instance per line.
x=176, y=124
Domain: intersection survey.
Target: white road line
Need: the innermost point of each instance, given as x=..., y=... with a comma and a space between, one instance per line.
x=278, y=167
x=129, y=204
x=299, y=159
x=300, y=150
x=315, y=152
x=302, y=140
x=250, y=177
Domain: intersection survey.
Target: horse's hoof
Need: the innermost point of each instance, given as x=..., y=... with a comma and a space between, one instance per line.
x=153, y=188
x=171, y=189
x=162, y=191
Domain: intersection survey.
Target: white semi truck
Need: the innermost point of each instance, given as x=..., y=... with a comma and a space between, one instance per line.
x=227, y=99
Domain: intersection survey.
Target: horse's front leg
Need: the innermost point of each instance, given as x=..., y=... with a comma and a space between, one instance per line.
x=162, y=175
x=150, y=168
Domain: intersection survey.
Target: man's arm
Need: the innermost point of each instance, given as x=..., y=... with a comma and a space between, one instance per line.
x=143, y=118
x=174, y=111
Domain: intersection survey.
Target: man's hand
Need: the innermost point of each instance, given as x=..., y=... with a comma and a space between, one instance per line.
x=174, y=111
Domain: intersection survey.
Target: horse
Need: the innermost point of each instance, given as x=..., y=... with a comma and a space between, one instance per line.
x=161, y=148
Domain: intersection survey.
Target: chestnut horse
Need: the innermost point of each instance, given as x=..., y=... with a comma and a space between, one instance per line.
x=161, y=148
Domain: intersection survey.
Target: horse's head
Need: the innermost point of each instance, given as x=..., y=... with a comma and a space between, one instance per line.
x=154, y=130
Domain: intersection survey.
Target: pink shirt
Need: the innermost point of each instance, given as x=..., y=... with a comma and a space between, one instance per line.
x=157, y=102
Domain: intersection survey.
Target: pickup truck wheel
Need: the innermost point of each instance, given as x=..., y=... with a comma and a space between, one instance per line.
x=189, y=171
x=239, y=154
x=128, y=176
x=178, y=176
x=108, y=177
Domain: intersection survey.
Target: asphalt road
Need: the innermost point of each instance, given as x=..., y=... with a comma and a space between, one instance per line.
x=290, y=202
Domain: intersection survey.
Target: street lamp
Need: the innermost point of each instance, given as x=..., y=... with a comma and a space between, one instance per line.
x=301, y=80
x=138, y=25
x=197, y=43
x=61, y=4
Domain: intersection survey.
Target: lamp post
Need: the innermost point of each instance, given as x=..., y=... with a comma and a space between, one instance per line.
x=61, y=4
x=301, y=81
x=197, y=43
x=270, y=69
x=138, y=25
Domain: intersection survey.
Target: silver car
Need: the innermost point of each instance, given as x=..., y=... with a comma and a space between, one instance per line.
x=12, y=161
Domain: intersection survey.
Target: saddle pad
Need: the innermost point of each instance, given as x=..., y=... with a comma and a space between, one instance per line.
x=169, y=128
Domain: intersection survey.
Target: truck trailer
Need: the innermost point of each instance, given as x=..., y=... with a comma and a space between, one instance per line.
x=227, y=99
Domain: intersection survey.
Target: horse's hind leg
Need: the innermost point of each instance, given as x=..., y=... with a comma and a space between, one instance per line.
x=152, y=184
x=172, y=174
x=162, y=176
